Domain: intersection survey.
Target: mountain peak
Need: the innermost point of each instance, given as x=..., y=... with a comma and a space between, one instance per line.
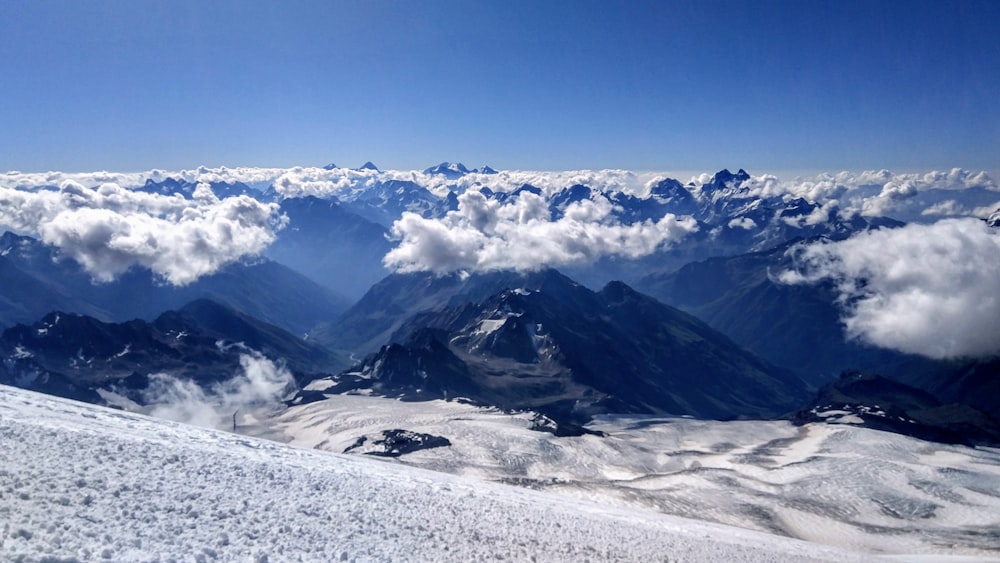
x=448, y=169
x=369, y=166
x=994, y=219
x=724, y=176
x=485, y=170
x=332, y=166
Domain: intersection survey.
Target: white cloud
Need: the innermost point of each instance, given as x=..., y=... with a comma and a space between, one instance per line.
x=745, y=223
x=483, y=235
x=946, y=208
x=109, y=229
x=931, y=289
x=260, y=383
x=299, y=181
x=986, y=210
x=817, y=216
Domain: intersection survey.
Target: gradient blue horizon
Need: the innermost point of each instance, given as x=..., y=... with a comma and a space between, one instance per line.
x=519, y=85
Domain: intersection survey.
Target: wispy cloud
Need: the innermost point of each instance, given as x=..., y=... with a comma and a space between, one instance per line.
x=261, y=382
x=932, y=290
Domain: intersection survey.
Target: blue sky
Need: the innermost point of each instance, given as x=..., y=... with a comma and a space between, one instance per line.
x=767, y=86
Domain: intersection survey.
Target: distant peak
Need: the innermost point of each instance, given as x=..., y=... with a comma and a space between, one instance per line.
x=724, y=176
x=994, y=219
x=451, y=169
x=485, y=170
x=369, y=166
x=333, y=166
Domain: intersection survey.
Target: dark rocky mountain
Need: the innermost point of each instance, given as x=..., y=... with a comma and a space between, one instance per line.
x=379, y=314
x=872, y=401
x=795, y=326
x=546, y=343
x=37, y=281
x=396, y=442
x=331, y=245
x=973, y=382
x=667, y=196
x=75, y=356
x=27, y=295
x=994, y=219
x=559, y=201
x=369, y=166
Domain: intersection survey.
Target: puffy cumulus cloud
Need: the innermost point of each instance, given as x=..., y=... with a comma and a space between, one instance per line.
x=260, y=383
x=483, y=235
x=932, y=290
x=821, y=214
x=35, y=180
x=954, y=179
x=109, y=229
x=946, y=208
x=744, y=223
x=888, y=199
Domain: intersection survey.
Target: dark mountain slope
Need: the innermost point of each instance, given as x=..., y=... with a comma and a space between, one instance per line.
x=873, y=401
x=74, y=355
x=331, y=245
x=391, y=302
x=568, y=352
x=39, y=281
x=795, y=326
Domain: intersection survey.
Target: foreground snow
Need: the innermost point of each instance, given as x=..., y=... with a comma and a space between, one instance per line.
x=81, y=483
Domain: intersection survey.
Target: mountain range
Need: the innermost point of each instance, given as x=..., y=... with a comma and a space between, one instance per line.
x=79, y=357
x=38, y=280
x=568, y=345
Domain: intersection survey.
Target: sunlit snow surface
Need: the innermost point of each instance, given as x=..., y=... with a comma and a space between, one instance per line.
x=83, y=483
x=838, y=485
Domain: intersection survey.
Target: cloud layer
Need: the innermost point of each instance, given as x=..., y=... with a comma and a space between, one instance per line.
x=109, y=229
x=484, y=235
x=932, y=290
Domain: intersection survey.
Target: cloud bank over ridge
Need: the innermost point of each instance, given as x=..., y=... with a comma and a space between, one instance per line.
x=932, y=290
x=109, y=229
x=97, y=219
x=485, y=235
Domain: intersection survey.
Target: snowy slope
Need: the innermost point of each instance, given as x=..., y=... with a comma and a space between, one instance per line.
x=839, y=485
x=82, y=483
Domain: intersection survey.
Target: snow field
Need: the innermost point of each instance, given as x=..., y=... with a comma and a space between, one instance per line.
x=83, y=483
x=838, y=485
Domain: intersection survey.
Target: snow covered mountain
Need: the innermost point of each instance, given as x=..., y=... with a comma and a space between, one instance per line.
x=994, y=219
x=545, y=343
x=450, y=170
